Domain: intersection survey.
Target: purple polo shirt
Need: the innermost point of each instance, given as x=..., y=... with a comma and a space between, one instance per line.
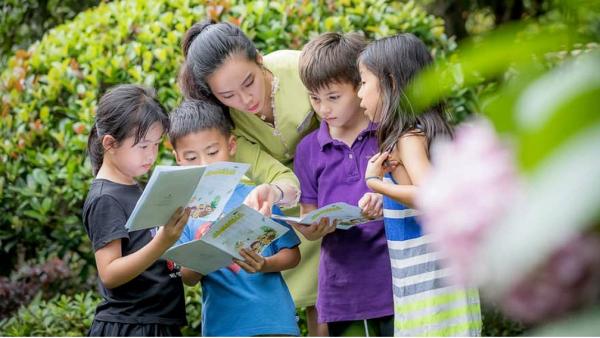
x=355, y=280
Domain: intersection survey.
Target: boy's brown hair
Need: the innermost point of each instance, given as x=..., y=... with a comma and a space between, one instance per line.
x=331, y=58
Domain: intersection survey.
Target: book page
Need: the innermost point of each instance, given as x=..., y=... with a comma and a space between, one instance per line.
x=346, y=214
x=244, y=227
x=286, y=218
x=199, y=256
x=169, y=187
x=214, y=190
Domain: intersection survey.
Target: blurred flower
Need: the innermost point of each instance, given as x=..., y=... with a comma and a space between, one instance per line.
x=472, y=183
x=567, y=281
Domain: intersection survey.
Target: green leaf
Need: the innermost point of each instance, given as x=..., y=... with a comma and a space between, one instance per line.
x=485, y=57
x=40, y=177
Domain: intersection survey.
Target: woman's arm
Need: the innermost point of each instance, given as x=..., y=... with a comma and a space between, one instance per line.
x=412, y=153
x=266, y=169
x=114, y=269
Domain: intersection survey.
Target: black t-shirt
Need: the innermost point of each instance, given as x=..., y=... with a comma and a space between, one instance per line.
x=156, y=295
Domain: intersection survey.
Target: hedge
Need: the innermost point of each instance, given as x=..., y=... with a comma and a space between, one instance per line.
x=22, y=22
x=72, y=316
x=51, y=90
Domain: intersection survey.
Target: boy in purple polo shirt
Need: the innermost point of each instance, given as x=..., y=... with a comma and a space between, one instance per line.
x=354, y=290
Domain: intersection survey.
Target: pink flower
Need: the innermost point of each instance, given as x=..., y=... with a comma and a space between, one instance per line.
x=471, y=185
x=567, y=281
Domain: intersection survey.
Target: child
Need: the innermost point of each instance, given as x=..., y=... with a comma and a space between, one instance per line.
x=255, y=300
x=143, y=295
x=424, y=304
x=354, y=294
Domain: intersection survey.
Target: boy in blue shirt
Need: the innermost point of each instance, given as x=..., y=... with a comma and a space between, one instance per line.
x=249, y=297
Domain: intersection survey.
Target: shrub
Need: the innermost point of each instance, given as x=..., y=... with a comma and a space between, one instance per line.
x=73, y=315
x=24, y=21
x=51, y=90
x=59, y=316
x=48, y=278
x=28, y=281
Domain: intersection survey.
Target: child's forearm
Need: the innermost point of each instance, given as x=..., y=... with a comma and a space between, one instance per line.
x=402, y=193
x=283, y=260
x=116, y=270
x=190, y=277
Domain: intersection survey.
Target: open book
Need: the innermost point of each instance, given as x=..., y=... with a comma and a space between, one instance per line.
x=222, y=240
x=347, y=215
x=205, y=189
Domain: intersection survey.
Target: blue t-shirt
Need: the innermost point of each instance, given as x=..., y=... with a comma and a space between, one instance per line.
x=236, y=303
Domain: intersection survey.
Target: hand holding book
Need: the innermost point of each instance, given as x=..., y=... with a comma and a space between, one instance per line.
x=253, y=261
x=317, y=230
x=343, y=214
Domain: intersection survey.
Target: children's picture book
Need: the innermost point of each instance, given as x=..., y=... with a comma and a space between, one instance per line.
x=222, y=240
x=347, y=215
x=204, y=189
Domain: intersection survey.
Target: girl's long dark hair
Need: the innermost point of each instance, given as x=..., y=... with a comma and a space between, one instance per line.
x=395, y=61
x=124, y=111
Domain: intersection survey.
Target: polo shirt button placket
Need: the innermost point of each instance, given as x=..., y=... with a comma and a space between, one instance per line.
x=354, y=165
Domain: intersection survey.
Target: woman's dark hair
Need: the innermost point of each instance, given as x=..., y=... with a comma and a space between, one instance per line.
x=206, y=45
x=396, y=60
x=124, y=111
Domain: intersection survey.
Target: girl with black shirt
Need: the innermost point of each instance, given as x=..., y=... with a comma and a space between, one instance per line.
x=143, y=294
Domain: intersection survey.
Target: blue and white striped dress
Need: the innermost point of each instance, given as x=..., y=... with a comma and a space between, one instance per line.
x=425, y=304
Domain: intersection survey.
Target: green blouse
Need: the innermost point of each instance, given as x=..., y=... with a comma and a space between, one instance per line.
x=270, y=151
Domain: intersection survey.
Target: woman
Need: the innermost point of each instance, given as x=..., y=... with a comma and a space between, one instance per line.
x=271, y=112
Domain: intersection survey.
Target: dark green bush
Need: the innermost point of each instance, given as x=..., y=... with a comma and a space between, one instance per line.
x=61, y=316
x=72, y=315
x=47, y=278
x=28, y=281
x=23, y=22
x=50, y=93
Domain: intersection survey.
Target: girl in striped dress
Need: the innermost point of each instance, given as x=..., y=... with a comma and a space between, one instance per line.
x=425, y=302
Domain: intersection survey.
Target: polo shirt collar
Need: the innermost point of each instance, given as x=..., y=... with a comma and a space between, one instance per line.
x=324, y=138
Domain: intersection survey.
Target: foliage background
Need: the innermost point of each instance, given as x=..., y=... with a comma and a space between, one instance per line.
x=23, y=22
x=48, y=98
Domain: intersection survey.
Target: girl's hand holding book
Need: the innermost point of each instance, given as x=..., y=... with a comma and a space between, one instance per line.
x=171, y=231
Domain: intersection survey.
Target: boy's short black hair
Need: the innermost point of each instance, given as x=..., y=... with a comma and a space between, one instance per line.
x=193, y=116
x=331, y=58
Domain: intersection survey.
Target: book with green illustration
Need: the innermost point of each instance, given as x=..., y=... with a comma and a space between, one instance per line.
x=243, y=227
x=347, y=216
x=204, y=189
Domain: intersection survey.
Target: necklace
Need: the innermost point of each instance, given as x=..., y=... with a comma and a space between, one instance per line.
x=274, y=125
x=274, y=88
